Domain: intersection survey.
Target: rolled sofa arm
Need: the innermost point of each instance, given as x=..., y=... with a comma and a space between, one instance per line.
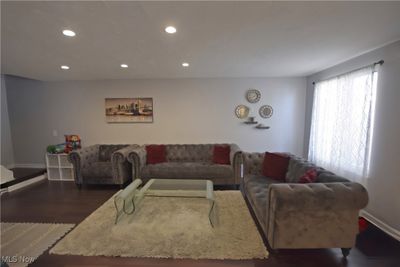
x=315, y=215
x=137, y=157
x=317, y=196
x=80, y=158
x=123, y=154
x=122, y=169
x=236, y=162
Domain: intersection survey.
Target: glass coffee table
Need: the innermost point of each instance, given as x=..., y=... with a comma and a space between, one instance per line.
x=128, y=199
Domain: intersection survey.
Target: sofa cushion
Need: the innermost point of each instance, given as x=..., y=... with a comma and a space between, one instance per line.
x=190, y=170
x=221, y=154
x=256, y=188
x=105, y=151
x=155, y=154
x=99, y=169
x=275, y=166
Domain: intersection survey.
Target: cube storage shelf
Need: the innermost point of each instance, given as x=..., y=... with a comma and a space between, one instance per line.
x=58, y=167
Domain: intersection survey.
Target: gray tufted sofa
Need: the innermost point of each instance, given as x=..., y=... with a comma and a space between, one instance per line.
x=323, y=214
x=188, y=161
x=102, y=164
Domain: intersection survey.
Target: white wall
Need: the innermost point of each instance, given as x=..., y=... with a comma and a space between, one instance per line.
x=383, y=183
x=7, y=153
x=185, y=111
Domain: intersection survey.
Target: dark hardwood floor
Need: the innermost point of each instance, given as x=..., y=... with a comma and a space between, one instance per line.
x=62, y=202
x=23, y=174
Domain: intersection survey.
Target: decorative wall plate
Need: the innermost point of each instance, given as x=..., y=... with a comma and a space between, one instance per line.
x=253, y=95
x=242, y=111
x=266, y=111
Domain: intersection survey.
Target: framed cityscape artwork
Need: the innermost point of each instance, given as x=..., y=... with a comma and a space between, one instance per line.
x=123, y=110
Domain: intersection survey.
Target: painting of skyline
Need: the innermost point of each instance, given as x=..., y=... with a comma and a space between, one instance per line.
x=123, y=110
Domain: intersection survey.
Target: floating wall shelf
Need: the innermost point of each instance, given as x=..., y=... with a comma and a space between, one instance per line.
x=262, y=127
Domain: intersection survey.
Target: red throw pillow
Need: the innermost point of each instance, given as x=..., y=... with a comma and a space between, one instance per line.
x=221, y=154
x=275, y=165
x=362, y=224
x=156, y=154
x=309, y=176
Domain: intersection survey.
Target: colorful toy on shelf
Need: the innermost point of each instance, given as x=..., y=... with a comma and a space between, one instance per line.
x=56, y=149
x=51, y=149
x=72, y=141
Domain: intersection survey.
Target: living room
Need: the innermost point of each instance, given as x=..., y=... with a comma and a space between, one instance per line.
x=213, y=73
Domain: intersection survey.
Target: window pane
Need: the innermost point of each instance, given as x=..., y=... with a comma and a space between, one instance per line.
x=341, y=123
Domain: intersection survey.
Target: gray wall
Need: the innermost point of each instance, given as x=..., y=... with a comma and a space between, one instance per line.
x=383, y=183
x=186, y=111
x=7, y=153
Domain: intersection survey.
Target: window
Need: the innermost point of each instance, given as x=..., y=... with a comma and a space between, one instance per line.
x=342, y=123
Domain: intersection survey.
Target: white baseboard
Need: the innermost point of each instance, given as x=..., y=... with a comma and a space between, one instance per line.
x=29, y=165
x=381, y=225
x=26, y=183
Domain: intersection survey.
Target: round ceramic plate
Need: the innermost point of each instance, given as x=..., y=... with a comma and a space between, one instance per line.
x=266, y=111
x=253, y=95
x=242, y=111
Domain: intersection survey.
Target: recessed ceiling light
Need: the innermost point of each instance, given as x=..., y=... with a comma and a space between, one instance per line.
x=124, y=65
x=185, y=64
x=170, y=29
x=64, y=67
x=69, y=33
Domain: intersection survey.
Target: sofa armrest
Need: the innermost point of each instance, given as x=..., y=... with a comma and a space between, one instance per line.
x=235, y=158
x=138, y=158
x=122, y=168
x=235, y=150
x=317, y=196
x=81, y=158
x=315, y=215
x=123, y=154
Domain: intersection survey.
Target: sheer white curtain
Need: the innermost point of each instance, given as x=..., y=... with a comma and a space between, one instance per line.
x=341, y=126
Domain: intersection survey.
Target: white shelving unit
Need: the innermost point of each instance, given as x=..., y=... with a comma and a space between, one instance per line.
x=58, y=167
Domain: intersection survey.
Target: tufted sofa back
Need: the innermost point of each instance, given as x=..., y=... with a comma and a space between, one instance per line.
x=297, y=167
x=252, y=163
x=189, y=153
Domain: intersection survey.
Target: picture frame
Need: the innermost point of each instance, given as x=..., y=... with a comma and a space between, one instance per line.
x=129, y=110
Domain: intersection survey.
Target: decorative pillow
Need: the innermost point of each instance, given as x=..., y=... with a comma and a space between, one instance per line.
x=221, y=154
x=297, y=168
x=362, y=224
x=156, y=154
x=309, y=176
x=275, y=165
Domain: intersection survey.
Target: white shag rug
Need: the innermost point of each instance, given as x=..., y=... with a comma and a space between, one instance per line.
x=22, y=243
x=169, y=227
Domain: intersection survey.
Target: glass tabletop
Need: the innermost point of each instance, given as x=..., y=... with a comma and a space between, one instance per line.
x=179, y=188
x=128, y=199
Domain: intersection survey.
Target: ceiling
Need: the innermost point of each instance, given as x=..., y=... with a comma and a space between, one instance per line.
x=218, y=39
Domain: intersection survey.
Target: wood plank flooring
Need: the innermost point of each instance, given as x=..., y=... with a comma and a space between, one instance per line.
x=23, y=174
x=62, y=202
